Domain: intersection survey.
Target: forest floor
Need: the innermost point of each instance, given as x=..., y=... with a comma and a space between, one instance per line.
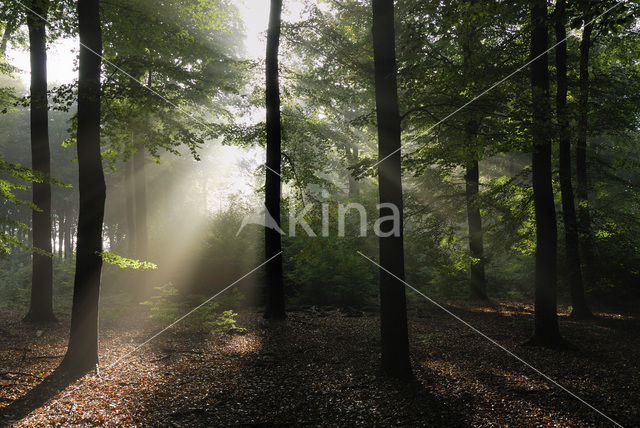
x=321, y=368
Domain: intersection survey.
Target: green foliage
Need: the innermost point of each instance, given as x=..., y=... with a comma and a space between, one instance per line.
x=125, y=263
x=168, y=306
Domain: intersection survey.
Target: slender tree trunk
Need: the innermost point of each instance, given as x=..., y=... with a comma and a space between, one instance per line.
x=470, y=46
x=41, y=307
x=393, y=306
x=547, y=332
x=574, y=270
x=275, y=308
x=82, y=353
x=130, y=206
x=582, y=183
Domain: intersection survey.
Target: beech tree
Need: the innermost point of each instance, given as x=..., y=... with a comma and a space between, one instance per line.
x=272, y=238
x=574, y=269
x=41, y=307
x=547, y=332
x=393, y=305
x=82, y=352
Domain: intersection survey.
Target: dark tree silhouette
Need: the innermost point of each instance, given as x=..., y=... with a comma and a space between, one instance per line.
x=574, y=270
x=41, y=306
x=82, y=353
x=547, y=332
x=273, y=239
x=582, y=182
x=393, y=306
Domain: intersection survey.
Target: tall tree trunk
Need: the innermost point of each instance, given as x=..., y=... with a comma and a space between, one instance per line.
x=547, y=332
x=393, y=306
x=41, y=307
x=574, y=270
x=582, y=184
x=130, y=206
x=470, y=46
x=275, y=308
x=82, y=353
x=478, y=284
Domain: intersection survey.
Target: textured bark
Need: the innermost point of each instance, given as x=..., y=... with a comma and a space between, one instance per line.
x=275, y=307
x=393, y=307
x=82, y=353
x=582, y=183
x=546, y=332
x=574, y=270
x=41, y=306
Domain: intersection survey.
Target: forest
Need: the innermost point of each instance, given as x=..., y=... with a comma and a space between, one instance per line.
x=319, y=212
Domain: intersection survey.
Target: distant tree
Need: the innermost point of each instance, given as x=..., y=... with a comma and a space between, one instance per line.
x=393, y=305
x=470, y=42
x=582, y=182
x=41, y=306
x=275, y=308
x=574, y=269
x=547, y=332
x=82, y=353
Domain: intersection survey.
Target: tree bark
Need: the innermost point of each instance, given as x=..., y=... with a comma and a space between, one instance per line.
x=574, y=270
x=41, y=306
x=393, y=306
x=82, y=353
x=275, y=308
x=547, y=332
x=582, y=183
x=478, y=282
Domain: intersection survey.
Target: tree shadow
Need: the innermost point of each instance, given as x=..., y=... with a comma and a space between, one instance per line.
x=50, y=386
x=320, y=371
